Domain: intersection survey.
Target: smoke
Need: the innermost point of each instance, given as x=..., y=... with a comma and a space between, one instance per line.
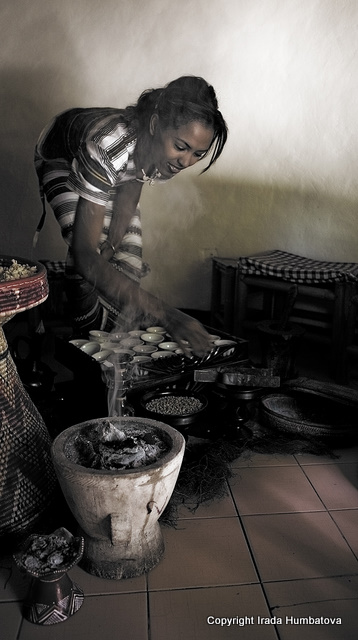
x=173, y=210
x=187, y=200
x=169, y=209
x=117, y=374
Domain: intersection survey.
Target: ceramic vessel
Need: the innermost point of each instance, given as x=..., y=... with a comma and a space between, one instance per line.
x=53, y=596
x=118, y=511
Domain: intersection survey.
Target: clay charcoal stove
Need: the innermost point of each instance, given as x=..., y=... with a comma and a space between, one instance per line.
x=118, y=509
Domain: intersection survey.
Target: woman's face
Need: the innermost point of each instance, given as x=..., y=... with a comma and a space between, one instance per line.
x=176, y=149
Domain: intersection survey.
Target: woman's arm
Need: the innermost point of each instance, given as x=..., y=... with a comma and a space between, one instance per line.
x=95, y=267
x=124, y=207
x=113, y=285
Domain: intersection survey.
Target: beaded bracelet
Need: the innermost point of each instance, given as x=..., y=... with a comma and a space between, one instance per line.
x=110, y=244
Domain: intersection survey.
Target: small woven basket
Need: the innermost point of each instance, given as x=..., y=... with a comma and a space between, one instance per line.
x=23, y=293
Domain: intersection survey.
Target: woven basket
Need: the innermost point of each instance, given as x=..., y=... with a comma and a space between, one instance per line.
x=24, y=293
x=27, y=478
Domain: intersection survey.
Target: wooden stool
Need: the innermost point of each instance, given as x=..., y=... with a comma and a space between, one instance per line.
x=335, y=289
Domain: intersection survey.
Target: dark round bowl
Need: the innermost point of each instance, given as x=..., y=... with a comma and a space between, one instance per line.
x=175, y=420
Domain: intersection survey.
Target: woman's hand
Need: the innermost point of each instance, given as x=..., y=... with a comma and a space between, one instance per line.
x=107, y=250
x=188, y=333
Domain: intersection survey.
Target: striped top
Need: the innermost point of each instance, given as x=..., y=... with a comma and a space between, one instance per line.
x=90, y=152
x=97, y=144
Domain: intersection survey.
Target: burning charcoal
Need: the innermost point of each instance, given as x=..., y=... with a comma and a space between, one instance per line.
x=152, y=452
x=55, y=559
x=111, y=461
x=31, y=563
x=59, y=542
x=86, y=452
x=133, y=459
x=128, y=443
x=48, y=553
x=111, y=432
x=127, y=458
x=39, y=543
x=111, y=448
x=149, y=438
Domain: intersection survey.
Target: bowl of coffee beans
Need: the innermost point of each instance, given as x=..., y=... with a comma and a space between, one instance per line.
x=176, y=408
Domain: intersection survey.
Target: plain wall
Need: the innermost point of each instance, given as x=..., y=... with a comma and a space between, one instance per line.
x=285, y=72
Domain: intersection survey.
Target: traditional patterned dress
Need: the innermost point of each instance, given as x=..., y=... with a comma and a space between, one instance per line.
x=89, y=153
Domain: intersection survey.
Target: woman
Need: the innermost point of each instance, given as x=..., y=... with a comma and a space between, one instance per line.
x=92, y=165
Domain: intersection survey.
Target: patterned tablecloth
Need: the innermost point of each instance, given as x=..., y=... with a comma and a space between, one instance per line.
x=294, y=268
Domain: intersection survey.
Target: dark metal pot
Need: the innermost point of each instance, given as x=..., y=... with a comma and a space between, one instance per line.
x=179, y=421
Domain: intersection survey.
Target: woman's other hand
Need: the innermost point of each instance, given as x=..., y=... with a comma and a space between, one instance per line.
x=188, y=333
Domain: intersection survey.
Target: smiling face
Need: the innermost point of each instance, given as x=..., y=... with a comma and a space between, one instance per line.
x=173, y=150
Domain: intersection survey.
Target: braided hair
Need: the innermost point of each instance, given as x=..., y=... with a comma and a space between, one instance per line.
x=187, y=99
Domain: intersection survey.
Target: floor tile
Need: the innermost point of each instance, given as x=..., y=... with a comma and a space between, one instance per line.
x=185, y=614
x=198, y=555
x=336, y=485
x=347, y=454
x=273, y=490
x=298, y=545
x=10, y=620
x=347, y=521
x=252, y=459
x=99, y=618
x=322, y=597
x=224, y=508
x=91, y=585
x=14, y=584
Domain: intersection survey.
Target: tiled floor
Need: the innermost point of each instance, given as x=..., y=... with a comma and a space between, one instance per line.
x=281, y=546
x=277, y=558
